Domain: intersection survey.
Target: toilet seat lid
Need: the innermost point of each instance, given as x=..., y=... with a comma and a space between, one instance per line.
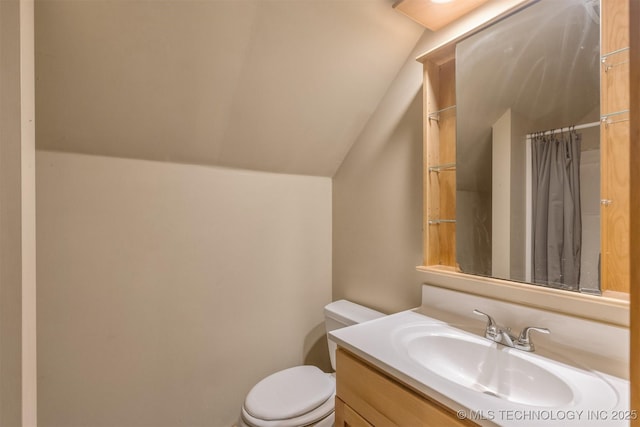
x=289, y=393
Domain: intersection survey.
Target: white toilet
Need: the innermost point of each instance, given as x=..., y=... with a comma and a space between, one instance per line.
x=302, y=395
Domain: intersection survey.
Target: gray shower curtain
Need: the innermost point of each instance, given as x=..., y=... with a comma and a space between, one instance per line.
x=557, y=219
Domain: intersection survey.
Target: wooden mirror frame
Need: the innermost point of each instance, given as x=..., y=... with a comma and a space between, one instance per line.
x=439, y=252
x=634, y=153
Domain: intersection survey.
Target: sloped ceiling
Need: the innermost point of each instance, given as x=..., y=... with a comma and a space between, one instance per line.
x=543, y=63
x=273, y=85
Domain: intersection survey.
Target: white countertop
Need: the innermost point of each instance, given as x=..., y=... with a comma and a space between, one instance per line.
x=378, y=343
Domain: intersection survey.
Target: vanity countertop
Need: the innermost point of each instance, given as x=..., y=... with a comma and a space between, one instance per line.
x=591, y=398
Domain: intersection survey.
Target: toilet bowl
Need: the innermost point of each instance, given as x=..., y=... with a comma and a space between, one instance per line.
x=302, y=395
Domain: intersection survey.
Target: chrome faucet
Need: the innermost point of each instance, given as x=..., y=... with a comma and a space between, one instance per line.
x=503, y=335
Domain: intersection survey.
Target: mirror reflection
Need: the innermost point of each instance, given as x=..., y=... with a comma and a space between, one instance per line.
x=528, y=147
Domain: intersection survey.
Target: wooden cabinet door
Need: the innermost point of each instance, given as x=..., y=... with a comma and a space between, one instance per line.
x=384, y=402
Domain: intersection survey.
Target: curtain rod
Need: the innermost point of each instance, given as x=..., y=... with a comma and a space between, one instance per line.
x=567, y=128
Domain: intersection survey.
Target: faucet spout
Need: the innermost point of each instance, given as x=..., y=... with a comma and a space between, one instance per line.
x=503, y=335
x=506, y=338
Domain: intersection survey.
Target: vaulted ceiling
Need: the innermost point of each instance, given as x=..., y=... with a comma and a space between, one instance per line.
x=273, y=85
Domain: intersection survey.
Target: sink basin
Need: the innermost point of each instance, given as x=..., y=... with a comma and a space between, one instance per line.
x=480, y=365
x=483, y=366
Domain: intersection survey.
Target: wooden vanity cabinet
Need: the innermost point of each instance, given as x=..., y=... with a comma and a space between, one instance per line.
x=347, y=417
x=365, y=396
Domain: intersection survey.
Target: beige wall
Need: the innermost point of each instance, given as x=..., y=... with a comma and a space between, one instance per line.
x=377, y=205
x=17, y=216
x=501, y=132
x=166, y=291
x=377, y=191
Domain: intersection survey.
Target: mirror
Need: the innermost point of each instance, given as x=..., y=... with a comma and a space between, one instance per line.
x=528, y=147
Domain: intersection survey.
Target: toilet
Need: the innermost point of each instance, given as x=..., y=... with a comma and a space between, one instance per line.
x=303, y=395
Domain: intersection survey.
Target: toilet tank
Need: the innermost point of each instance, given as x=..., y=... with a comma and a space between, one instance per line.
x=342, y=313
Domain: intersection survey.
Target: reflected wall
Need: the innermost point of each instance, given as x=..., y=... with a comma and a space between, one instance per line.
x=536, y=70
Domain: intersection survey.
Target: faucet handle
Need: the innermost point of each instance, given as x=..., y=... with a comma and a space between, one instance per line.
x=492, y=328
x=524, y=340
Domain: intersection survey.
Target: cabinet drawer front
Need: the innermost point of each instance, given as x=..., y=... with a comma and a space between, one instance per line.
x=383, y=401
x=347, y=417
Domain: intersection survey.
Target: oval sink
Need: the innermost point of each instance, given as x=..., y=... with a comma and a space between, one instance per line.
x=480, y=365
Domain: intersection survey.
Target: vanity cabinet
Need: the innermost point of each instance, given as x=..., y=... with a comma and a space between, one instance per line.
x=365, y=396
x=347, y=417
